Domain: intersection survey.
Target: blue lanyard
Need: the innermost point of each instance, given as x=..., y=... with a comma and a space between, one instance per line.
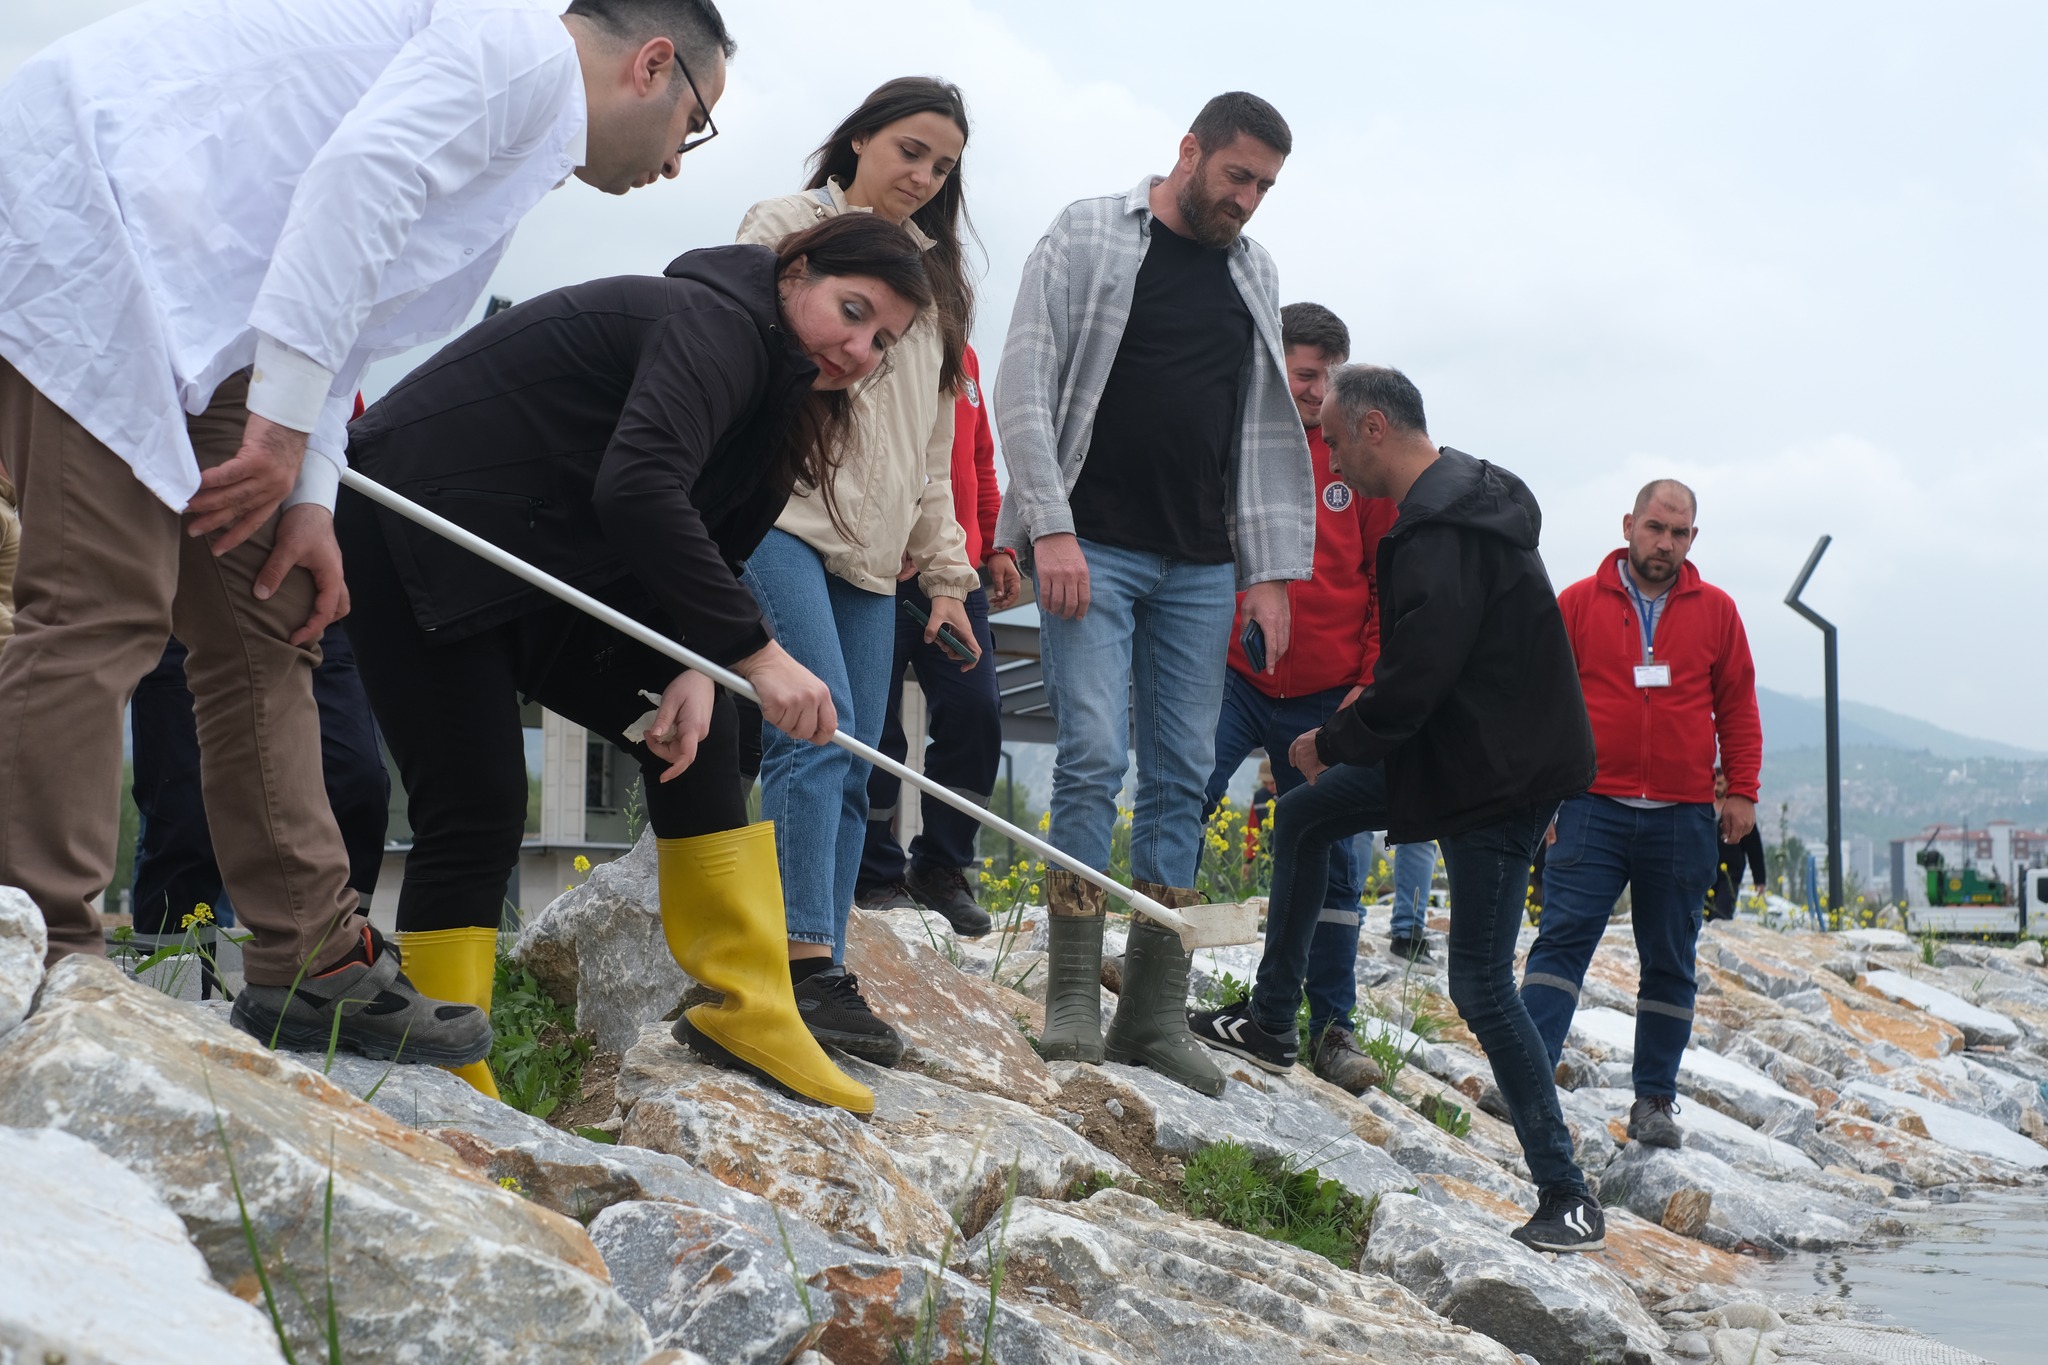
x=1648, y=608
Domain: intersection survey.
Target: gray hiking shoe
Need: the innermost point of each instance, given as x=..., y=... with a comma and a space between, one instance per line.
x=885, y=896
x=1650, y=1122
x=1343, y=1063
x=944, y=890
x=380, y=1014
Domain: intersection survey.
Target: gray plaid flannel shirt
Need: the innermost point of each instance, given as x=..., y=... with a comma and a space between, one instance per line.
x=1064, y=332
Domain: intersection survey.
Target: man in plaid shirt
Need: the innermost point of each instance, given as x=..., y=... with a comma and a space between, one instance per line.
x=1157, y=467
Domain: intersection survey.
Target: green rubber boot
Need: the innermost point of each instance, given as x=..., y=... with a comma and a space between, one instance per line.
x=1151, y=1023
x=1073, y=963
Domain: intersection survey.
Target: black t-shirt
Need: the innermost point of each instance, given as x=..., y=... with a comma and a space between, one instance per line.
x=1157, y=476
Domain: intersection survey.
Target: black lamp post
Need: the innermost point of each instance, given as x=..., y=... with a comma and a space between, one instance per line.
x=1832, y=704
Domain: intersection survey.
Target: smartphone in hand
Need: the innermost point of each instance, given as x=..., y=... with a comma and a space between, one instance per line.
x=1254, y=641
x=947, y=639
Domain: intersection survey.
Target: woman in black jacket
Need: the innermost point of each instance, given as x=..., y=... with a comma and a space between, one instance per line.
x=635, y=437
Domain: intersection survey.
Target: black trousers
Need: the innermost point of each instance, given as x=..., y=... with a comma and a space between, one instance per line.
x=964, y=753
x=450, y=713
x=174, y=865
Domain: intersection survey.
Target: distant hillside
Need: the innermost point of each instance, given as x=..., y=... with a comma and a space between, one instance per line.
x=1797, y=723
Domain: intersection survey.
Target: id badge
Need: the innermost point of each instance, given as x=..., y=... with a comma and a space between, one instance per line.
x=1653, y=675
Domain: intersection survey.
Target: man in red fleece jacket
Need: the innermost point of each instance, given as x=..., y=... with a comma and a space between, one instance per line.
x=1665, y=668
x=1336, y=641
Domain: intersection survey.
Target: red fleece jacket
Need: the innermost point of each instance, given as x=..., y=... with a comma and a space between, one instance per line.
x=1659, y=743
x=1336, y=634
x=976, y=499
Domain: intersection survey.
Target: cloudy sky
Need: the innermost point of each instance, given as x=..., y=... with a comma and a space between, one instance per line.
x=1793, y=255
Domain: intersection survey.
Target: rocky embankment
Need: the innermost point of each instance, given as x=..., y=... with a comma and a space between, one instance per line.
x=172, y=1188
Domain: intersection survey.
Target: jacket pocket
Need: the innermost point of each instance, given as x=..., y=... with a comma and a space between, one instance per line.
x=531, y=505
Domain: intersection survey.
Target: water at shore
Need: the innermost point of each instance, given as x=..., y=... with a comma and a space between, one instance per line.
x=1972, y=1274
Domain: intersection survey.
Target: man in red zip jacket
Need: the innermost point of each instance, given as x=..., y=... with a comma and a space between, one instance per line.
x=1665, y=668
x=966, y=746
x=1336, y=641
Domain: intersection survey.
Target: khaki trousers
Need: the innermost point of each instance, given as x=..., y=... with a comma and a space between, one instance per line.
x=10, y=552
x=107, y=574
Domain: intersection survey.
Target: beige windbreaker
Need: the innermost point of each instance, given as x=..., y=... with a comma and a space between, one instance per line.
x=895, y=487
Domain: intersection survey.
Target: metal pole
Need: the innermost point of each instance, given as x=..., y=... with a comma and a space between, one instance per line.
x=1831, y=702
x=1190, y=933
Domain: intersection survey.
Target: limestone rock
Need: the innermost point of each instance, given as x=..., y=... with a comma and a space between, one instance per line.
x=1174, y=1290
x=703, y=1282
x=1746, y=1209
x=822, y=1163
x=888, y=1312
x=561, y=1171
x=1743, y=1092
x=959, y=1028
x=1980, y=1027
x=1559, y=1309
x=23, y=941
x=1425, y=1149
x=1954, y=1128
x=1269, y=1115
x=1710, y=1130
x=1686, y=1212
x=599, y=946
x=959, y=1146
x=95, y=1268
x=419, y=1239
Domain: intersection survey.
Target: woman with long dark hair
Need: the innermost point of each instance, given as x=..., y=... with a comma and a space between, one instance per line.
x=826, y=575
x=635, y=437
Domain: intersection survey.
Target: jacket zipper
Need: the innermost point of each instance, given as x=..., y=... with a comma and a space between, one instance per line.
x=532, y=505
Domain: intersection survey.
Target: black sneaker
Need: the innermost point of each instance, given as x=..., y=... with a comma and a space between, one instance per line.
x=1232, y=1029
x=1650, y=1122
x=1410, y=949
x=834, y=1012
x=1565, y=1221
x=885, y=896
x=381, y=1014
x=944, y=890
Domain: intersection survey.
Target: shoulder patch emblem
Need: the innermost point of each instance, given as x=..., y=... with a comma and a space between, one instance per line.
x=970, y=390
x=1337, y=495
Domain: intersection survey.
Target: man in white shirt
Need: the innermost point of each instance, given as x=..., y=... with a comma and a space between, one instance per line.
x=214, y=214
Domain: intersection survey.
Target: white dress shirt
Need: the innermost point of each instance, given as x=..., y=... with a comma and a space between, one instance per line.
x=190, y=187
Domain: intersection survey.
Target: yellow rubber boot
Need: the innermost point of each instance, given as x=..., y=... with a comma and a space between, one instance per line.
x=459, y=966
x=721, y=909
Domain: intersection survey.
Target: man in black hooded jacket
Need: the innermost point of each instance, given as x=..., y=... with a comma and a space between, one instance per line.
x=1471, y=732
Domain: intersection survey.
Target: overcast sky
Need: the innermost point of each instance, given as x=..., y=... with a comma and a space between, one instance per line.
x=1791, y=255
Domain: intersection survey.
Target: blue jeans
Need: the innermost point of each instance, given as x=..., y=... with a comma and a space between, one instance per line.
x=1667, y=858
x=964, y=752
x=1252, y=720
x=1414, y=868
x=817, y=794
x=1150, y=651
x=1488, y=869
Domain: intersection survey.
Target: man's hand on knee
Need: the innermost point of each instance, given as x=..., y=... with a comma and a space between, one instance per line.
x=305, y=540
x=237, y=497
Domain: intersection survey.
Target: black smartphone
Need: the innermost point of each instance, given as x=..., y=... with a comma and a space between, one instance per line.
x=1254, y=642
x=947, y=639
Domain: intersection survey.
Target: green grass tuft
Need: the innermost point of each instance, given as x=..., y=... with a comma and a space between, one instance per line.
x=537, y=1055
x=1277, y=1200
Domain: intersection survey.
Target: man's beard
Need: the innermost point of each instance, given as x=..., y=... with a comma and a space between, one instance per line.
x=1653, y=570
x=1209, y=223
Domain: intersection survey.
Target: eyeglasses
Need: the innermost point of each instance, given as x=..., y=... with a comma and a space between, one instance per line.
x=710, y=128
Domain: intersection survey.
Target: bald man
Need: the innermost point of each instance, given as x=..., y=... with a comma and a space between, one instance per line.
x=1665, y=668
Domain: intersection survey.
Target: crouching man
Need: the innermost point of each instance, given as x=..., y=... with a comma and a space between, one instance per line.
x=1471, y=733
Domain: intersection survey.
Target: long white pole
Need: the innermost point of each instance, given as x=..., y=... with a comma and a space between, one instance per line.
x=733, y=682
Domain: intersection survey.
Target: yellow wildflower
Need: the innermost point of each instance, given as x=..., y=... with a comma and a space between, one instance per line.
x=582, y=864
x=202, y=913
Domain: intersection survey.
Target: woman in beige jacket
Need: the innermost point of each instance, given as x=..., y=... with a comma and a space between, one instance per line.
x=826, y=575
